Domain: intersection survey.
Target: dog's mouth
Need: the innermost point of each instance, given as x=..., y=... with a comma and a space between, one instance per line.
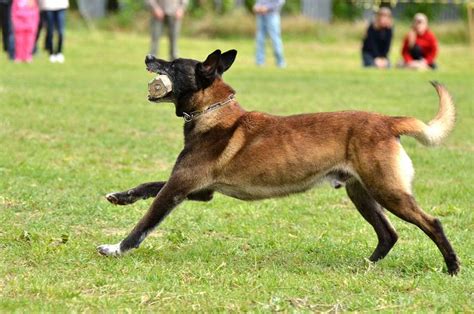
x=167, y=98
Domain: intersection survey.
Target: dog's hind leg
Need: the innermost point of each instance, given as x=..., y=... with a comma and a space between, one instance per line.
x=391, y=188
x=404, y=206
x=141, y=192
x=374, y=214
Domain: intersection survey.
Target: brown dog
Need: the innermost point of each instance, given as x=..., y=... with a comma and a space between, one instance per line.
x=253, y=155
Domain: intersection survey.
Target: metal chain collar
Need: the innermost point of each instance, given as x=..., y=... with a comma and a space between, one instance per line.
x=188, y=117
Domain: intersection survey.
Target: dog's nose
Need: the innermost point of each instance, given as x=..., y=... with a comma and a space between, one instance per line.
x=149, y=57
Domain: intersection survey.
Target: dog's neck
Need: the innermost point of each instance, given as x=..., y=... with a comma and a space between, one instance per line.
x=217, y=92
x=223, y=117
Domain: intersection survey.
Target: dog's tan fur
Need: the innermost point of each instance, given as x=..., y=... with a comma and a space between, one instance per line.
x=304, y=149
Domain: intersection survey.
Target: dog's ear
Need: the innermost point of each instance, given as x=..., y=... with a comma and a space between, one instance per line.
x=209, y=66
x=227, y=59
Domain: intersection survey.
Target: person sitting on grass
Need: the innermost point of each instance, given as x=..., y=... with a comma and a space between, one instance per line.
x=420, y=45
x=376, y=45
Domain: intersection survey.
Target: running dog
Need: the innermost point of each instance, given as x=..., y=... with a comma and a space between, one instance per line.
x=254, y=155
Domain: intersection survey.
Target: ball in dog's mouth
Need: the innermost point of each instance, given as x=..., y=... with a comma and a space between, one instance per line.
x=159, y=88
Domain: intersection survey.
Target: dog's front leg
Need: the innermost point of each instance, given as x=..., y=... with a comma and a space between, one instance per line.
x=151, y=189
x=141, y=192
x=171, y=195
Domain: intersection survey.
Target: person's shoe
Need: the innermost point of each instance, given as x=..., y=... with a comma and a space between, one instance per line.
x=53, y=59
x=60, y=58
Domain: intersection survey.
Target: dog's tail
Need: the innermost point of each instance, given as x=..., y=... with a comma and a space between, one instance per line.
x=437, y=129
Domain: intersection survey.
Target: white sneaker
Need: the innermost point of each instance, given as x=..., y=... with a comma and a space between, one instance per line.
x=53, y=59
x=60, y=58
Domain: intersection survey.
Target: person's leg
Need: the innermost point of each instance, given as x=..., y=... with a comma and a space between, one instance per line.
x=416, y=52
x=45, y=26
x=20, y=44
x=38, y=32
x=274, y=31
x=156, y=27
x=60, y=22
x=8, y=32
x=174, y=26
x=60, y=26
x=368, y=60
x=55, y=30
x=30, y=37
x=3, y=25
x=49, y=31
x=260, y=40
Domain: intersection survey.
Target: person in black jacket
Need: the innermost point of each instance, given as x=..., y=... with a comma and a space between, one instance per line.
x=377, y=41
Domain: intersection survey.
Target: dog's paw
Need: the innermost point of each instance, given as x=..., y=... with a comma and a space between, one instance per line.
x=120, y=198
x=454, y=267
x=112, y=198
x=109, y=249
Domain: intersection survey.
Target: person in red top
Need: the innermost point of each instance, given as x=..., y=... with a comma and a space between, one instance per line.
x=420, y=45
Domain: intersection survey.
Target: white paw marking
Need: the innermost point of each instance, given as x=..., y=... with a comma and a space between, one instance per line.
x=110, y=249
x=111, y=196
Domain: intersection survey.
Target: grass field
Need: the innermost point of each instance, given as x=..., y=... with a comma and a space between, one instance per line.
x=71, y=133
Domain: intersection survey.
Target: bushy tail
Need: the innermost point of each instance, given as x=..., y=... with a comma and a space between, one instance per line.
x=437, y=129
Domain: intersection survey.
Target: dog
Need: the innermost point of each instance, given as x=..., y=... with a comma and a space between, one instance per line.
x=254, y=155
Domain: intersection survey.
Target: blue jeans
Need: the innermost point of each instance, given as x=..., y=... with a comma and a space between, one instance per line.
x=55, y=20
x=269, y=24
x=368, y=60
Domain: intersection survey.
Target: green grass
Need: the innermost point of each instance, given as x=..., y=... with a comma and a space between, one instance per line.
x=71, y=133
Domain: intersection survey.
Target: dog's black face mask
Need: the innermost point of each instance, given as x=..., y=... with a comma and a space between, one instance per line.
x=189, y=76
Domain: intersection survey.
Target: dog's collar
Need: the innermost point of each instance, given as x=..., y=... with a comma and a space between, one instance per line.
x=188, y=117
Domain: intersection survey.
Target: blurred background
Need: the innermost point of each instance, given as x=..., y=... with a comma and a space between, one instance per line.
x=309, y=19
x=72, y=132
x=301, y=18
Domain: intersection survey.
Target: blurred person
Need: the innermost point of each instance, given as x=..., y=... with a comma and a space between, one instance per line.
x=169, y=13
x=55, y=15
x=420, y=46
x=7, y=28
x=41, y=25
x=25, y=16
x=376, y=45
x=268, y=23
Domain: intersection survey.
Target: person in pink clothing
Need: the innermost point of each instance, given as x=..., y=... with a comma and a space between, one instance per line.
x=25, y=18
